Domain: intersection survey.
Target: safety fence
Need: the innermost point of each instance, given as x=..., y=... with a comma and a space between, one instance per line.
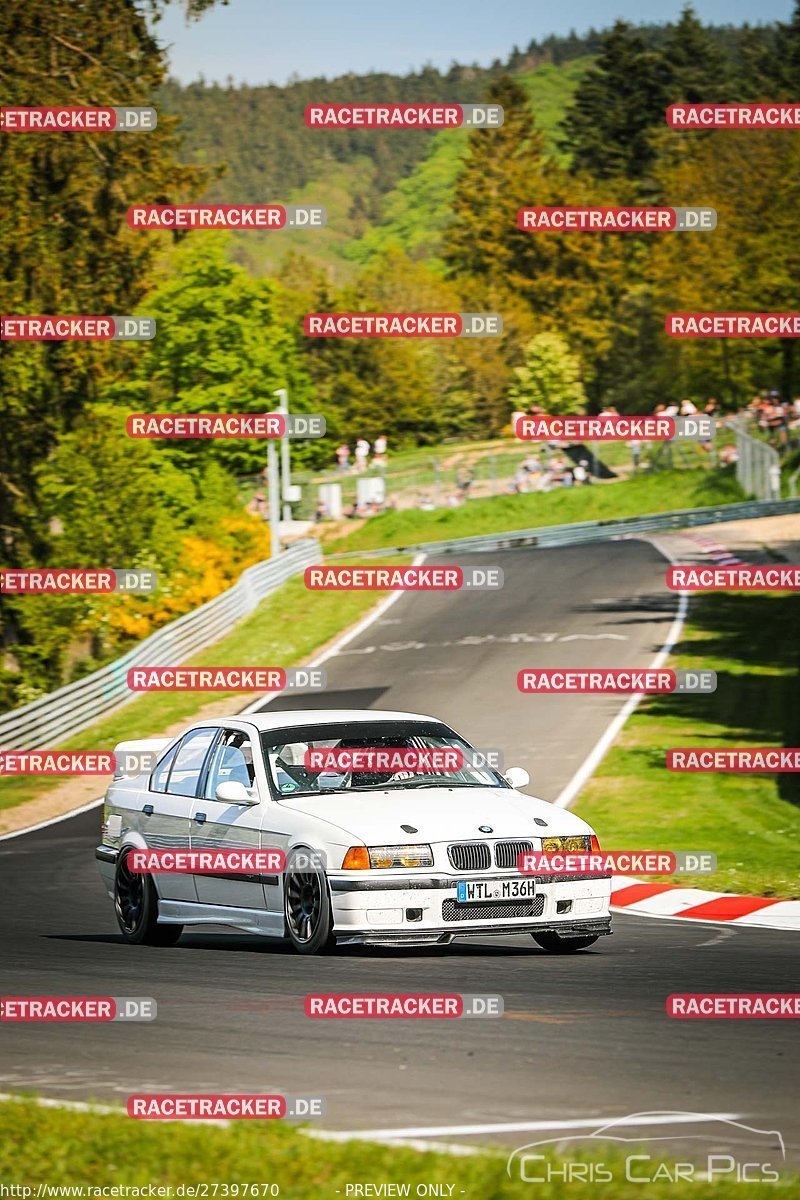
x=59, y=714
x=590, y=531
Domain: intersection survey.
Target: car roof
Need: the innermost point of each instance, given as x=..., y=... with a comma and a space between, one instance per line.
x=288, y=718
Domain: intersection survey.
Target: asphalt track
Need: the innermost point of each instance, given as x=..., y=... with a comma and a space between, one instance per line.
x=583, y=1037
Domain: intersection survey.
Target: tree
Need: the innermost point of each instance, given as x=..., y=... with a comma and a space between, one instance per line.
x=550, y=377
x=498, y=177
x=750, y=262
x=64, y=243
x=221, y=347
x=616, y=104
x=695, y=67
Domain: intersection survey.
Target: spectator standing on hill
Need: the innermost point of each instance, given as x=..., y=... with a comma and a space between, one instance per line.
x=379, y=452
x=343, y=457
x=362, y=455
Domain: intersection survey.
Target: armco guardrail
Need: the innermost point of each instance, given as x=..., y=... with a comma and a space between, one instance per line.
x=589, y=531
x=59, y=714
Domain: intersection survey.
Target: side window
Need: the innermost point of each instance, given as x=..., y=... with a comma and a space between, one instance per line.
x=188, y=762
x=158, y=780
x=231, y=762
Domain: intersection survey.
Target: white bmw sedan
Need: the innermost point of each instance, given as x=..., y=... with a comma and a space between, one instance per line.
x=380, y=856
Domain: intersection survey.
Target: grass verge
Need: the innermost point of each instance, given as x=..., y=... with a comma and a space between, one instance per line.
x=751, y=822
x=286, y=628
x=62, y=1148
x=632, y=498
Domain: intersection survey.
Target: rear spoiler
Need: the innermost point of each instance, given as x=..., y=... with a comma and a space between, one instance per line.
x=138, y=757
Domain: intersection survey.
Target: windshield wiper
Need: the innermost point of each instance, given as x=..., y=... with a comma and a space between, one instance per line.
x=415, y=783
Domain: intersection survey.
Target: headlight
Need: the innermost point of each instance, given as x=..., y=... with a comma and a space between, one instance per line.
x=580, y=844
x=400, y=856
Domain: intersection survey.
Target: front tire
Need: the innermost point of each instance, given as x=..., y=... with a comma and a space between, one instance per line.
x=136, y=906
x=307, y=908
x=554, y=943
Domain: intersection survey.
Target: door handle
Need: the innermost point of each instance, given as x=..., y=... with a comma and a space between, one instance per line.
x=200, y=818
x=148, y=810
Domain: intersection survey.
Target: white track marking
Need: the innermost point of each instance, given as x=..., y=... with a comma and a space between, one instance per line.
x=372, y=616
x=52, y=821
x=426, y=1131
x=256, y=706
x=590, y=764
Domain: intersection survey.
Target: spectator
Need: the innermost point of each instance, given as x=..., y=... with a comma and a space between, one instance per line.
x=464, y=483
x=379, y=452
x=362, y=455
x=579, y=473
x=343, y=457
x=635, y=448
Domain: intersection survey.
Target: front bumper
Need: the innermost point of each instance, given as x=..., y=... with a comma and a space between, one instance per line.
x=424, y=909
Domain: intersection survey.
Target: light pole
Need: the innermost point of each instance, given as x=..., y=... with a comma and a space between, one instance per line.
x=274, y=484
x=286, y=470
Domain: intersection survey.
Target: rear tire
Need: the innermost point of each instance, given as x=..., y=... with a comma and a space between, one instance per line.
x=554, y=943
x=307, y=909
x=136, y=906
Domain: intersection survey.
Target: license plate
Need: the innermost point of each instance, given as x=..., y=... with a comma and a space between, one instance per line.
x=495, y=889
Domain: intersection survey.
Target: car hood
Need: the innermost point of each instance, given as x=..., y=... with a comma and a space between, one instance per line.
x=437, y=814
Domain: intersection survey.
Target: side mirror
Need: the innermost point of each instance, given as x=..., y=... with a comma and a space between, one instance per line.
x=518, y=777
x=233, y=792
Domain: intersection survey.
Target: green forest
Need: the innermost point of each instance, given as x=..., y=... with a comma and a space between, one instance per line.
x=416, y=221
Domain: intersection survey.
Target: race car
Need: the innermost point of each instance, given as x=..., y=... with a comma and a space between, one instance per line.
x=394, y=832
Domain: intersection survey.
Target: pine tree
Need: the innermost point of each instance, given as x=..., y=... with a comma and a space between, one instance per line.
x=496, y=181
x=696, y=68
x=615, y=106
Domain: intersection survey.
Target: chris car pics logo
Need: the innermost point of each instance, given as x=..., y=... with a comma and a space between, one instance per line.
x=653, y=1147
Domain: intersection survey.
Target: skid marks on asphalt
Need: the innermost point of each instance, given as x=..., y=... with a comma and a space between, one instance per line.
x=488, y=639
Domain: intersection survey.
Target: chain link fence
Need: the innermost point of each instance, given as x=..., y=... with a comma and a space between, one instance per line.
x=758, y=465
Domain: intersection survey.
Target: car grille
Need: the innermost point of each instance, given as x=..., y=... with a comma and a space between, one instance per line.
x=492, y=910
x=470, y=856
x=507, y=853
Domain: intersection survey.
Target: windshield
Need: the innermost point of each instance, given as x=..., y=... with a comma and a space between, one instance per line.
x=370, y=756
